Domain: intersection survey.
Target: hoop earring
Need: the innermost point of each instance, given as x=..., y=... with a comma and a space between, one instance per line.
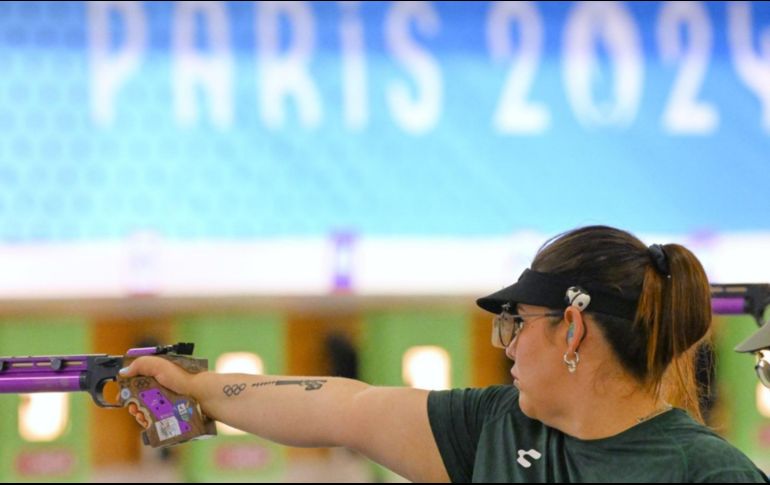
x=572, y=364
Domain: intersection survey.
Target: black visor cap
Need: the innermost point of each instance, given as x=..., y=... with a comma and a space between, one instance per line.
x=549, y=290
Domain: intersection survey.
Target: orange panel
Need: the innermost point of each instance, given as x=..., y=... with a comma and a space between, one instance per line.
x=490, y=365
x=307, y=354
x=115, y=435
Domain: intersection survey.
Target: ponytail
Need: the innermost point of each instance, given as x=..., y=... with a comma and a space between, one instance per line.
x=675, y=313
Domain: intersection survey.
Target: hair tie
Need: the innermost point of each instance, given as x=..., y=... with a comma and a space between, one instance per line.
x=659, y=260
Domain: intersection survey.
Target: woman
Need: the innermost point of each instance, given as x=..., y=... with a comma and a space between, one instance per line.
x=601, y=330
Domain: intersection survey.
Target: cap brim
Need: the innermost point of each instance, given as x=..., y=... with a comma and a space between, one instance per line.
x=757, y=341
x=532, y=288
x=494, y=302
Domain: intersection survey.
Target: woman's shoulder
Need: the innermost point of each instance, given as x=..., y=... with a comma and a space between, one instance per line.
x=707, y=455
x=692, y=436
x=498, y=398
x=489, y=401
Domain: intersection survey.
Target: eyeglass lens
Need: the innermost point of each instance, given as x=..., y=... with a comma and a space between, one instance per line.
x=763, y=369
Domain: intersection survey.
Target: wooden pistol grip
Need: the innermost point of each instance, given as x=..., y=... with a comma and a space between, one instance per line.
x=171, y=418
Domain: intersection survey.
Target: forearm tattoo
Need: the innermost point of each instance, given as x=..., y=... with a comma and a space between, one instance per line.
x=310, y=385
x=233, y=389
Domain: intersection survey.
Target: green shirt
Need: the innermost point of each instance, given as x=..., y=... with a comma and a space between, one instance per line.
x=483, y=436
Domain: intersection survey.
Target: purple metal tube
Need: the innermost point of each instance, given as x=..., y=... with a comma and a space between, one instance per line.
x=40, y=383
x=728, y=306
x=142, y=351
x=42, y=374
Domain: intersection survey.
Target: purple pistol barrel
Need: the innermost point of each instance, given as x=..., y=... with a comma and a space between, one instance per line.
x=728, y=306
x=140, y=351
x=42, y=374
x=182, y=348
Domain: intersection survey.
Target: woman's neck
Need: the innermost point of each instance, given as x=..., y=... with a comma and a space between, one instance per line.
x=596, y=416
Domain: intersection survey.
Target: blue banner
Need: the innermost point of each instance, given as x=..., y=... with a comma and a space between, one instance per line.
x=199, y=120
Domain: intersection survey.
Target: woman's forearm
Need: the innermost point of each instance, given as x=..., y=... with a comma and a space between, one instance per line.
x=296, y=411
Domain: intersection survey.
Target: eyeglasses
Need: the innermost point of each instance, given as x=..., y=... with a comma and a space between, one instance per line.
x=763, y=367
x=506, y=326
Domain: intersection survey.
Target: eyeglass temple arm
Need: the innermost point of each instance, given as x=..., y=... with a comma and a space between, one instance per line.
x=741, y=299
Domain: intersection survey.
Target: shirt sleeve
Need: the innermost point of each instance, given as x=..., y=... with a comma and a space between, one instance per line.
x=456, y=418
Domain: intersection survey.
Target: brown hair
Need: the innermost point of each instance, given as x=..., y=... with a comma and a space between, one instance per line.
x=674, y=313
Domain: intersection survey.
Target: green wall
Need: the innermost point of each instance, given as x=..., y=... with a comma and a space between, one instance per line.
x=387, y=335
x=243, y=458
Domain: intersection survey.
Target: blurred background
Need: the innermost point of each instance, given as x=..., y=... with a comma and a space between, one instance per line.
x=320, y=188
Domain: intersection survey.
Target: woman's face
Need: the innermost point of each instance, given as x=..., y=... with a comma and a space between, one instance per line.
x=538, y=367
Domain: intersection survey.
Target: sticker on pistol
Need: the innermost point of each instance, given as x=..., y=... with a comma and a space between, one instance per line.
x=168, y=428
x=162, y=409
x=183, y=410
x=157, y=403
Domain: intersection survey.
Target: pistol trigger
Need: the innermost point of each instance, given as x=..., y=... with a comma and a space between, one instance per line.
x=98, y=395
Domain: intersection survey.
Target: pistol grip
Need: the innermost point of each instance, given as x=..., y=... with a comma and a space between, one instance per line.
x=170, y=418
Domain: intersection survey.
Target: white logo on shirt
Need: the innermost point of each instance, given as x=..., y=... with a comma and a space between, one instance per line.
x=531, y=453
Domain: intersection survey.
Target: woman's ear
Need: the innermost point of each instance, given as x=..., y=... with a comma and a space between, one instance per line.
x=576, y=329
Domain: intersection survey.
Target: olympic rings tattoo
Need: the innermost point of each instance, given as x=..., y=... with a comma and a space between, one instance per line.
x=233, y=390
